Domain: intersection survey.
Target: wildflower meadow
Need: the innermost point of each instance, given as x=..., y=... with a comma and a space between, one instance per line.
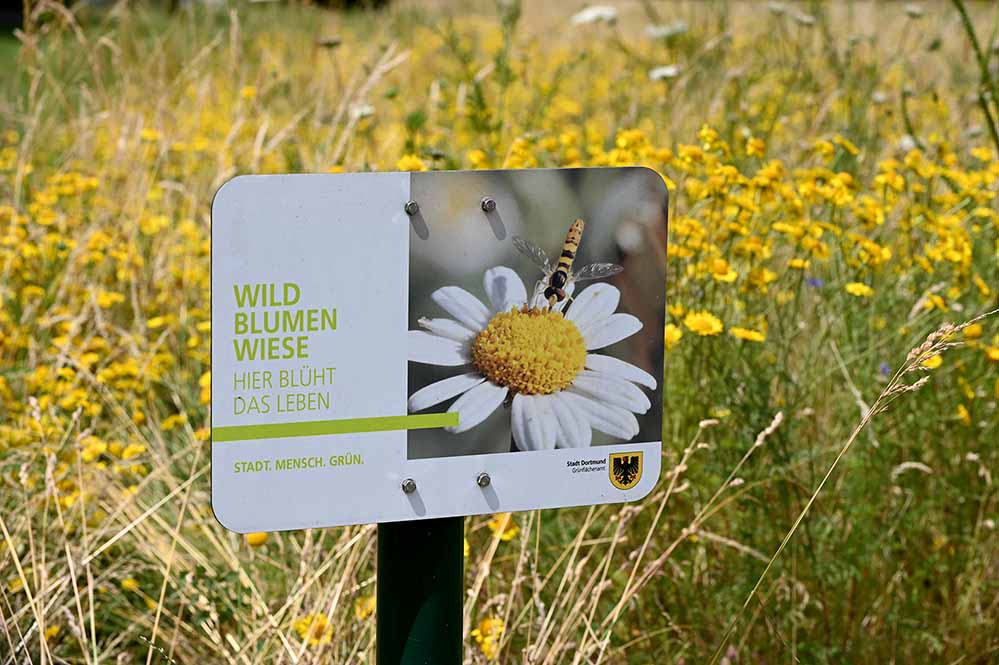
x=829, y=492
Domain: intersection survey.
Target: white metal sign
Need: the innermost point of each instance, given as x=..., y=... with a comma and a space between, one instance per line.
x=396, y=346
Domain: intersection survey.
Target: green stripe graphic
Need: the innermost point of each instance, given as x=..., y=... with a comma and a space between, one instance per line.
x=341, y=426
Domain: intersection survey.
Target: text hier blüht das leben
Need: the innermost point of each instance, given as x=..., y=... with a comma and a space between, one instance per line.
x=268, y=325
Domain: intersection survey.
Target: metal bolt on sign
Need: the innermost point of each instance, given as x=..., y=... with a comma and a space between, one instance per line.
x=483, y=480
x=488, y=204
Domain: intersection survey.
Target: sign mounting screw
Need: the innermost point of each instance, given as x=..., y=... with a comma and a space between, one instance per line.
x=488, y=204
x=483, y=480
x=409, y=486
x=411, y=207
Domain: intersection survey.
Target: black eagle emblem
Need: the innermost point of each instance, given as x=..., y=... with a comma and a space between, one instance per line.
x=626, y=469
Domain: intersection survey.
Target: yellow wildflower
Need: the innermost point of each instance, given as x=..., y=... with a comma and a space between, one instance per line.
x=721, y=271
x=825, y=149
x=846, y=144
x=748, y=334
x=106, y=299
x=477, y=158
x=487, y=635
x=933, y=361
x=152, y=225
x=760, y=277
x=703, y=323
x=755, y=147
x=205, y=383
x=974, y=331
x=859, y=290
x=364, y=607
x=92, y=448
x=503, y=524
x=410, y=163
x=314, y=629
x=256, y=539
x=172, y=421
x=933, y=301
x=672, y=336
x=963, y=415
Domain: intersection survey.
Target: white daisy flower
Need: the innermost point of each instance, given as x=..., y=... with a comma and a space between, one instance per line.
x=560, y=390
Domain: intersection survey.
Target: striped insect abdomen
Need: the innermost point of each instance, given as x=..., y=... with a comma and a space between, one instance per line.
x=570, y=247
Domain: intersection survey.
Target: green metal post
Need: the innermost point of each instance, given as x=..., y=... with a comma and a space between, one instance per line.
x=420, y=592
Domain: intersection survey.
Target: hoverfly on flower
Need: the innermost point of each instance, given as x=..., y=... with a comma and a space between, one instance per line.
x=554, y=286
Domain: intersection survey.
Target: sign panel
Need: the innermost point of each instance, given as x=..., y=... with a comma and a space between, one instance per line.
x=396, y=346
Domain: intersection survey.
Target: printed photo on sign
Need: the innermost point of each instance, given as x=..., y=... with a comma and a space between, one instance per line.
x=538, y=317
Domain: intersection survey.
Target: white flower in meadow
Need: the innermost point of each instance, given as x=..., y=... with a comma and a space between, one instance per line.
x=906, y=143
x=666, y=31
x=664, y=72
x=560, y=390
x=595, y=14
x=914, y=11
x=359, y=111
x=804, y=19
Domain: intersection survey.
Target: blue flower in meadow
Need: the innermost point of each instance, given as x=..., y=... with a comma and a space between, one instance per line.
x=815, y=282
x=884, y=369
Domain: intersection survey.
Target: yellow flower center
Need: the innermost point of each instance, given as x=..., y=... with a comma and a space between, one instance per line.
x=530, y=351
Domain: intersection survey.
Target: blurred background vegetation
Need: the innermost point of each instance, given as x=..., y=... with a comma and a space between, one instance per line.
x=833, y=173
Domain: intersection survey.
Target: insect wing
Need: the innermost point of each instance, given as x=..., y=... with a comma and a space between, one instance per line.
x=596, y=271
x=533, y=252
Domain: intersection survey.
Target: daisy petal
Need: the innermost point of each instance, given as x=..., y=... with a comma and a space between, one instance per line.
x=447, y=328
x=434, y=350
x=463, y=306
x=444, y=389
x=504, y=288
x=612, y=390
x=531, y=424
x=549, y=421
x=475, y=406
x=620, y=369
x=610, y=330
x=574, y=428
x=596, y=302
x=606, y=418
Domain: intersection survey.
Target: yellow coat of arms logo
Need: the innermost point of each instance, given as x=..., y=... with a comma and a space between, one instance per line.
x=625, y=469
